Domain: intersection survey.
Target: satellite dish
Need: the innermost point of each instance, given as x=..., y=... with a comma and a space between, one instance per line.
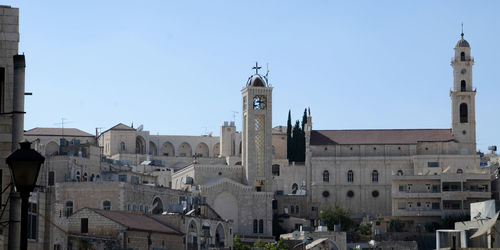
x=296, y=235
x=487, y=226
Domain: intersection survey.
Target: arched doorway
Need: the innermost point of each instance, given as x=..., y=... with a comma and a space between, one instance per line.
x=140, y=145
x=192, y=236
x=220, y=237
x=201, y=150
x=167, y=149
x=185, y=150
x=152, y=148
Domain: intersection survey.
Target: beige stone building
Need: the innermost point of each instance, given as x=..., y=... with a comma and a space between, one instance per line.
x=415, y=174
x=12, y=86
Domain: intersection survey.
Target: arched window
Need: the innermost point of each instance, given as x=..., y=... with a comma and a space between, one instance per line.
x=295, y=187
x=462, y=56
x=92, y=177
x=400, y=172
x=69, y=208
x=460, y=171
x=261, y=226
x=326, y=176
x=85, y=177
x=463, y=86
x=375, y=176
x=350, y=176
x=255, y=226
x=463, y=113
x=122, y=146
x=106, y=205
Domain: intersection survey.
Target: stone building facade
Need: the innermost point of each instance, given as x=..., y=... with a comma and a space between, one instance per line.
x=12, y=86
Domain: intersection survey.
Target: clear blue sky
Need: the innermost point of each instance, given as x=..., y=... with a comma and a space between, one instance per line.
x=178, y=66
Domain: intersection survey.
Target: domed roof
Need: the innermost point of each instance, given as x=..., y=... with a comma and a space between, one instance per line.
x=462, y=43
x=256, y=81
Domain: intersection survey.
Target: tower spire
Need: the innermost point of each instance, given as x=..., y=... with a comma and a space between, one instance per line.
x=462, y=30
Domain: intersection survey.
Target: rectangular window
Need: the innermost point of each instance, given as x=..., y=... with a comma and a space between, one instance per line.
x=84, y=226
x=401, y=205
x=122, y=178
x=436, y=188
x=402, y=188
x=433, y=164
x=51, y=178
x=32, y=221
x=436, y=205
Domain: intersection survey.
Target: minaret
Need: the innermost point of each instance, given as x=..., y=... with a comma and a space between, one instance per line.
x=256, y=131
x=463, y=105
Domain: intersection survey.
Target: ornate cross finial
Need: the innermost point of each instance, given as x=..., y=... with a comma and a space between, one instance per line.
x=256, y=68
x=462, y=30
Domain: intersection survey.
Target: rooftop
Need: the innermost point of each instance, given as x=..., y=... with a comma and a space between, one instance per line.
x=379, y=136
x=57, y=132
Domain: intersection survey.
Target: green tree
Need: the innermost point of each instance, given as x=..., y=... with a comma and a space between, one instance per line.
x=337, y=215
x=237, y=245
x=259, y=244
x=304, y=121
x=278, y=245
x=289, y=141
x=298, y=143
x=396, y=225
x=365, y=228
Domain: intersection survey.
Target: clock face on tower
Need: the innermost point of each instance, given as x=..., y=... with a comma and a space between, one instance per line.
x=463, y=71
x=259, y=102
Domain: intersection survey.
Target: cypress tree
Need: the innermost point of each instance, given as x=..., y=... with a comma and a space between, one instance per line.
x=289, y=136
x=304, y=121
x=296, y=138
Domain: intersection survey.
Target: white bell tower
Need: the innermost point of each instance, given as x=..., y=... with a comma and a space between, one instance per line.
x=463, y=105
x=256, y=136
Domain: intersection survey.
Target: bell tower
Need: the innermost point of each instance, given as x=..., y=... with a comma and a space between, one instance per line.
x=256, y=131
x=463, y=105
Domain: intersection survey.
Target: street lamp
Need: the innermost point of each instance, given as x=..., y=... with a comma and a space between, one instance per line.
x=24, y=165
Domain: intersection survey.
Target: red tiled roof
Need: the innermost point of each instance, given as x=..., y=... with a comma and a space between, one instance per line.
x=136, y=221
x=57, y=132
x=379, y=136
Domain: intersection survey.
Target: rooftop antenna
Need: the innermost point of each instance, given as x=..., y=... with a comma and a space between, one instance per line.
x=63, y=120
x=234, y=115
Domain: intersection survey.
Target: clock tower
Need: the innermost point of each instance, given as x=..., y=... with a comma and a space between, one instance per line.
x=463, y=105
x=256, y=135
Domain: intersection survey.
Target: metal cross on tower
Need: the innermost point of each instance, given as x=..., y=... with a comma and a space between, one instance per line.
x=256, y=68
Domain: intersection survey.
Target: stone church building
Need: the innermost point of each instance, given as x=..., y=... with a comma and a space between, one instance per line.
x=417, y=175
